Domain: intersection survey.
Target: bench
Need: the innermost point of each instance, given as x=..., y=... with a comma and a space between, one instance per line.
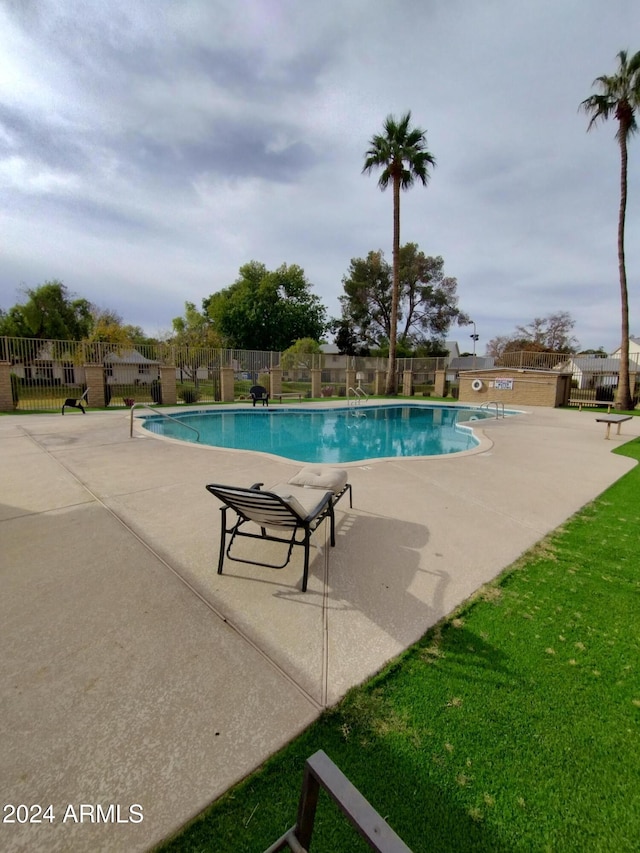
x=609, y=420
x=295, y=395
x=580, y=403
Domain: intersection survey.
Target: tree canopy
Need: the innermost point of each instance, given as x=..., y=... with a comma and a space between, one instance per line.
x=194, y=329
x=50, y=312
x=300, y=354
x=107, y=326
x=427, y=304
x=266, y=310
x=543, y=334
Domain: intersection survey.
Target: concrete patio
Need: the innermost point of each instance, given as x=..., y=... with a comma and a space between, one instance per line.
x=132, y=673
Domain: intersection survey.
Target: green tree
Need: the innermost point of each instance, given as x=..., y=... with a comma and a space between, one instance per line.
x=402, y=155
x=194, y=329
x=427, y=303
x=619, y=96
x=266, y=310
x=109, y=327
x=301, y=355
x=49, y=313
x=195, y=343
x=345, y=338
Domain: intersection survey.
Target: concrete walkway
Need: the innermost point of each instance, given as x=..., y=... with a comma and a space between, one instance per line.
x=133, y=676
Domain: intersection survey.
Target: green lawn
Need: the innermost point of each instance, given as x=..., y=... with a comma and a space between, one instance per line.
x=512, y=726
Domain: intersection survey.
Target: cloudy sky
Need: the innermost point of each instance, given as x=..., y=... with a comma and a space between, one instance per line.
x=148, y=149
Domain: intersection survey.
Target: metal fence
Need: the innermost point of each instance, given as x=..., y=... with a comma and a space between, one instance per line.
x=46, y=372
x=594, y=379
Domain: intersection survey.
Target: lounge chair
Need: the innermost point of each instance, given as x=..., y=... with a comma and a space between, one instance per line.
x=76, y=402
x=285, y=507
x=259, y=393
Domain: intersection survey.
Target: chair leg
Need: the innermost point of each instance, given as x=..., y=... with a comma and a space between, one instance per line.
x=223, y=536
x=332, y=524
x=305, y=575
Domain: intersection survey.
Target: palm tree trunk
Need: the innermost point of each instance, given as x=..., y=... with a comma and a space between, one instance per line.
x=623, y=394
x=395, y=289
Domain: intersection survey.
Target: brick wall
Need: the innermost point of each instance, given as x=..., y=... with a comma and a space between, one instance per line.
x=529, y=387
x=6, y=399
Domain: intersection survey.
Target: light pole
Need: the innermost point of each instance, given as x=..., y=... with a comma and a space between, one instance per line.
x=474, y=337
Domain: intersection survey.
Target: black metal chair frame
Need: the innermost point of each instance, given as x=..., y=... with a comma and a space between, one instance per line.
x=268, y=509
x=76, y=402
x=259, y=393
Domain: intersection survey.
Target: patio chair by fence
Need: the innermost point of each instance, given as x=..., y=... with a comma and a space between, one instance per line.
x=76, y=402
x=259, y=393
x=284, y=509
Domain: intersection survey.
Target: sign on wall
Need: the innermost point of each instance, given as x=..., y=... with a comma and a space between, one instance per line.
x=503, y=384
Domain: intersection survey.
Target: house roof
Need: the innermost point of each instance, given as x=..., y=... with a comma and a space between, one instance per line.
x=129, y=357
x=591, y=364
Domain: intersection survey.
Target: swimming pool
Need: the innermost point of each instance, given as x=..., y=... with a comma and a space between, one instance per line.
x=344, y=434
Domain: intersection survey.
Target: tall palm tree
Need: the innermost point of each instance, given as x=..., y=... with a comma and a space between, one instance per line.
x=401, y=152
x=619, y=96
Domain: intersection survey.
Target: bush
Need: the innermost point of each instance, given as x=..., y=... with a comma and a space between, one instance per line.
x=327, y=391
x=15, y=393
x=605, y=393
x=189, y=395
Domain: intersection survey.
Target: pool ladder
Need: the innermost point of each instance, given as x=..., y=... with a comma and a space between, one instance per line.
x=164, y=415
x=497, y=403
x=358, y=396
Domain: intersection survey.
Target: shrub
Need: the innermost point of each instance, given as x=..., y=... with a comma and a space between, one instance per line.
x=605, y=392
x=189, y=395
x=327, y=391
x=15, y=393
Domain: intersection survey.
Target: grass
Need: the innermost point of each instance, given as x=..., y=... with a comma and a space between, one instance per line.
x=513, y=725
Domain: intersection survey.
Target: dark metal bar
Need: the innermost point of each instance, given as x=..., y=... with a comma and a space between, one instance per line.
x=319, y=770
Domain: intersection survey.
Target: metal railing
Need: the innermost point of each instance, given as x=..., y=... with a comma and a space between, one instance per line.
x=497, y=403
x=164, y=415
x=320, y=771
x=359, y=394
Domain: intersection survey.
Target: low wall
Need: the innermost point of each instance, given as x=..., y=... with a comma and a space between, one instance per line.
x=515, y=387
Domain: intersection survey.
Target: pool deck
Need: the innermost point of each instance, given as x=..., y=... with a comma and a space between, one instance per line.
x=132, y=673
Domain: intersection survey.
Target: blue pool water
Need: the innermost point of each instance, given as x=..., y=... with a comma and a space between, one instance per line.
x=346, y=434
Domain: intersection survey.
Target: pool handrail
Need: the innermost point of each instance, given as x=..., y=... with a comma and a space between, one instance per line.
x=496, y=403
x=164, y=415
x=359, y=395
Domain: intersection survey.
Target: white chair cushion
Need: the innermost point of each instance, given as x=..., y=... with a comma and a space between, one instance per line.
x=321, y=477
x=305, y=502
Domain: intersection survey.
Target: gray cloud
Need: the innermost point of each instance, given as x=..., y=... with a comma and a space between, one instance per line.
x=148, y=150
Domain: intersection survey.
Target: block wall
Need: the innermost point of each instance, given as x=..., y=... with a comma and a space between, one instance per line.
x=528, y=387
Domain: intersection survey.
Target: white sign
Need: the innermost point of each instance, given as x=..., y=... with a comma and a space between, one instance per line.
x=503, y=384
